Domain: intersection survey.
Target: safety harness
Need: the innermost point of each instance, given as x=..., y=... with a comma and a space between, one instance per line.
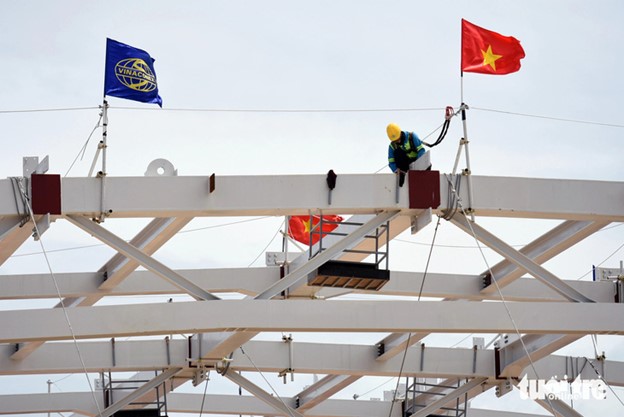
x=405, y=155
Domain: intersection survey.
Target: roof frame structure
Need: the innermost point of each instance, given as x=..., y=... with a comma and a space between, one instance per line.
x=584, y=207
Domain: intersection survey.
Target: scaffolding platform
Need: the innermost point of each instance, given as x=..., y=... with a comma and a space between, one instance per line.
x=353, y=275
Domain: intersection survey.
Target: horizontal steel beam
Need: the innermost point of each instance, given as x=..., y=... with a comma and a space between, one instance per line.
x=250, y=281
x=310, y=316
x=310, y=358
x=83, y=403
x=180, y=196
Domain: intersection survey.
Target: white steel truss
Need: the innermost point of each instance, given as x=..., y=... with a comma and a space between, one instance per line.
x=278, y=297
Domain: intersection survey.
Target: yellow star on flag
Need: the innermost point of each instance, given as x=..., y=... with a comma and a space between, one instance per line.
x=306, y=223
x=489, y=58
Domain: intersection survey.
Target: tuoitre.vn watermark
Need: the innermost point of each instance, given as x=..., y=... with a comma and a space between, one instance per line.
x=553, y=389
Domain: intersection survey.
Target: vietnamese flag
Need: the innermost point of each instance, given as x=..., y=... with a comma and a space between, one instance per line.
x=488, y=52
x=299, y=228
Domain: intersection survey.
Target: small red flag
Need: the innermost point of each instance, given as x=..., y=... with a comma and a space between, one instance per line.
x=299, y=228
x=488, y=52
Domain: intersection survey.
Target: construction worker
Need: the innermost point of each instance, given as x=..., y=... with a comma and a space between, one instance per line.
x=405, y=147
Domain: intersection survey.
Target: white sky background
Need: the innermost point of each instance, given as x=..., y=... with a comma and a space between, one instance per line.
x=266, y=55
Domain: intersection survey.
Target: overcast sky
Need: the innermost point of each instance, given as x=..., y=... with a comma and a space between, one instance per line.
x=398, y=60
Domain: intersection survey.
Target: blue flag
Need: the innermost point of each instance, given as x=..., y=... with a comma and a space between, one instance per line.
x=130, y=74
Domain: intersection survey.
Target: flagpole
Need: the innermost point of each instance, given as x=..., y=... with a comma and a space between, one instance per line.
x=464, y=141
x=103, y=146
x=104, y=135
x=461, y=87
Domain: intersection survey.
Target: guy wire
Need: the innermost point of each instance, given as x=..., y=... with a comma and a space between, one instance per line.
x=58, y=292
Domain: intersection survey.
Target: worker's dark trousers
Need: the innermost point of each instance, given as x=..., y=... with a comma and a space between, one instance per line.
x=402, y=162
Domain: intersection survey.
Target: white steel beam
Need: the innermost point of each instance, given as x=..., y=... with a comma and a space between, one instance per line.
x=359, y=360
x=516, y=356
x=451, y=396
x=310, y=316
x=63, y=402
x=83, y=403
x=544, y=198
x=147, y=261
x=278, y=404
x=519, y=259
x=542, y=249
x=311, y=358
x=479, y=412
x=120, y=356
x=268, y=357
x=13, y=235
x=253, y=195
x=468, y=287
x=322, y=389
x=396, y=343
x=251, y=281
x=574, y=367
x=213, y=347
x=181, y=196
x=8, y=224
x=248, y=405
x=560, y=408
x=151, y=238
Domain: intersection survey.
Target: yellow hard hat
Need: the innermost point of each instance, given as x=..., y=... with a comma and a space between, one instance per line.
x=394, y=132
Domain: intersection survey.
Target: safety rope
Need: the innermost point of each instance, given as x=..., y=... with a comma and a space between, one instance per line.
x=17, y=183
x=448, y=115
x=502, y=298
x=409, y=336
x=452, y=196
x=31, y=215
x=84, y=147
x=287, y=408
x=604, y=380
x=201, y=409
